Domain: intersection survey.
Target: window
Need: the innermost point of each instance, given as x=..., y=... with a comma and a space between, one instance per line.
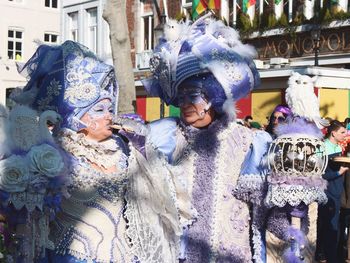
x=148, y=32
x=51, y=3
x=73, y=26
x=14, y=44
x=50, y=38
x=92, y=29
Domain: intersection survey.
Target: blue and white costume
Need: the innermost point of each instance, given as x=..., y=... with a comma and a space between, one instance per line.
x=208, y=162
x=103, y=216
x=220, y=165
x=90, y=226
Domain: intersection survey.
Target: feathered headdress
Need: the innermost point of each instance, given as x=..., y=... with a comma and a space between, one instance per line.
x=206, y=46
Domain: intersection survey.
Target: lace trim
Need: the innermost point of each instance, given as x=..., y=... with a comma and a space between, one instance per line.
x=105, y=154
x=257, y=243
x=250, y=188
x=220, y=164
x=149, y=245
x=222, y=167
x=293, y=195
x=111, y=186
x=187, y=216
x=28, y=200
x=33, y=236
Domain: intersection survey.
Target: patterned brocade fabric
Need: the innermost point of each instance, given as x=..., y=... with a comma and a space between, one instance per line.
x=208, y=162
x=91, y=226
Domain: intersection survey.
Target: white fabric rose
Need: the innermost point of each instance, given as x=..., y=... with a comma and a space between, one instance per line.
x=13, y=174
x=46, y=160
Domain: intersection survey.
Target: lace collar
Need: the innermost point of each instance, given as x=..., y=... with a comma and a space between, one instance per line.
x=104, y=154
x=191, y=133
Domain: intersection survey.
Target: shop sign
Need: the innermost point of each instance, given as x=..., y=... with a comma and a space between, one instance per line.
x=331, y=41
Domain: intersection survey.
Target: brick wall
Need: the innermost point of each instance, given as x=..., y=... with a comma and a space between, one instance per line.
x=148, y=5
x=174, y=8
x=130, y=12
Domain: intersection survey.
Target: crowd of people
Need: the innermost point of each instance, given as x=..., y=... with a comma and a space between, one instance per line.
x=188, y=189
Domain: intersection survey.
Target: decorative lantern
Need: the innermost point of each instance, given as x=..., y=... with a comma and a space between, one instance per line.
x=297, y=162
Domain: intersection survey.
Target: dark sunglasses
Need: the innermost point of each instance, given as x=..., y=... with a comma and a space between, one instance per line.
x=279, y=119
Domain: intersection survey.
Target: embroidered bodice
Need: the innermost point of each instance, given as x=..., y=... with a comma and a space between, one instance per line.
x=91, y=225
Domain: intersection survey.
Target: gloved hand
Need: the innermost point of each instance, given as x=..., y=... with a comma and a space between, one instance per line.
x=131, y=123
x=132, y=127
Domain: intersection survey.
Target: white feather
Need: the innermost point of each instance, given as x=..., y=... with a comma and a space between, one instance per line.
x=173, y=30
x=302, y=100
x=230, y=38
x=230, y=108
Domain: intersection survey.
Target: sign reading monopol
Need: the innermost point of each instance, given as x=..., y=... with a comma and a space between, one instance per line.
x=336, y=40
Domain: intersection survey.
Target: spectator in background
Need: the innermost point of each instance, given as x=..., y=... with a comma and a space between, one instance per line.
x=347, y=124
x=325, y=129
x=345, y=144
x=247, y=121
x=328, y=214
x=256, y=125
x=278, y=115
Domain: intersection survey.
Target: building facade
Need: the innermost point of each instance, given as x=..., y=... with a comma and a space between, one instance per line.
x=82, y=22
x=24, y=23
x=282, y=48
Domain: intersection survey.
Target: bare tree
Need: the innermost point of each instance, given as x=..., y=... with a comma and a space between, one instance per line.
x=115, y=14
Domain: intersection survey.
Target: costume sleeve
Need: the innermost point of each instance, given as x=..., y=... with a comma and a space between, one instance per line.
x=133, y=129
x=162, y=135
x=252, y=179
x=158, y=206
x=278, y=222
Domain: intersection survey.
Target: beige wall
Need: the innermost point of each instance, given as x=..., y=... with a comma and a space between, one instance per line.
x=33, y=19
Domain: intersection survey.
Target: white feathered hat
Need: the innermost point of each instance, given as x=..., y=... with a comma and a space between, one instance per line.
x=206, y=51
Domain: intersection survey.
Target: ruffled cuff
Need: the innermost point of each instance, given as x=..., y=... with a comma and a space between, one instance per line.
x=250, y=188
x=251, y=185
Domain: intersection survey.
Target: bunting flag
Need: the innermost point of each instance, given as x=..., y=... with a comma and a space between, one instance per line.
x=214, y=4
x=249, y=3
x=277, y=2
x=198, y=7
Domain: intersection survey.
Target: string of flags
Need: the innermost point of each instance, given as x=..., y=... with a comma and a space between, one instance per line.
x=199, y=6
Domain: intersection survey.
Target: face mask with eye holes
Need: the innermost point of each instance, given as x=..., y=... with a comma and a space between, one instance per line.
x=101, y=109
x=191, y=96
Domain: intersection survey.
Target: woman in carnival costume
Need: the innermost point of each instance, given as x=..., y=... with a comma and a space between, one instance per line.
x=203, y=68
x=94, y=223
x=278, y=115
